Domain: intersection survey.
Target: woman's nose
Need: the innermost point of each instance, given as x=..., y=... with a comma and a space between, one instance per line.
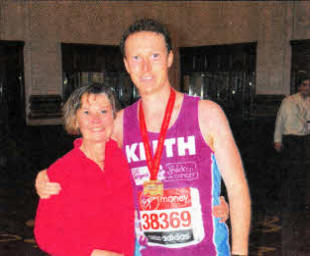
x=95, y=118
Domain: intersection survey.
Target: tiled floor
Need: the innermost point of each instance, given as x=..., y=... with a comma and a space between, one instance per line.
x=34, y=148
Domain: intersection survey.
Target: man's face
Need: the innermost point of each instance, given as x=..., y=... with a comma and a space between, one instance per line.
x=147, y=61
x=304, y=88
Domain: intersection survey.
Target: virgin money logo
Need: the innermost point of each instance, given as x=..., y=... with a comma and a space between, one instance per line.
x=172, y=198
x=148, y=203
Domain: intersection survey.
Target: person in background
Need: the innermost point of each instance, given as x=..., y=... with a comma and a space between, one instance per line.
x=293, y=120
x=94, y=212
x=292, y=140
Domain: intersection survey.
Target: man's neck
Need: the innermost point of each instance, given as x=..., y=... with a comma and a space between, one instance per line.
x=155, y=102
x=154, y=108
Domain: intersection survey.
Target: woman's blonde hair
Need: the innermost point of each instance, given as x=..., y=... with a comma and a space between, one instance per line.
x=74, y=103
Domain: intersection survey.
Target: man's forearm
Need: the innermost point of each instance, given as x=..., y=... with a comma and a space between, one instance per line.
x=240, y=208
x=278, y=131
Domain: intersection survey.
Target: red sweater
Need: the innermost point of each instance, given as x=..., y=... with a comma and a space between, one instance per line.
x=94, y=209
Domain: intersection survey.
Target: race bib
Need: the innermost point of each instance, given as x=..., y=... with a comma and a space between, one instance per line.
x=172, y=220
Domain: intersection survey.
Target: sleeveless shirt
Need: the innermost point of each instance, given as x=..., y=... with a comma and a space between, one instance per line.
x=179, y=223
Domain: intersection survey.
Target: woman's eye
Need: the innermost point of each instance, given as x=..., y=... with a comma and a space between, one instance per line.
x=86, y=112
x=103, y=111
x=136, y=57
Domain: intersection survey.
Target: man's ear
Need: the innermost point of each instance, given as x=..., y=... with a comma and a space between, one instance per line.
x=126, y=65
x=170, y=59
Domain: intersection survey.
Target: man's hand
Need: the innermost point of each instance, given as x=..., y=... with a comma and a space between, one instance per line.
x=221, y=210
x=278, y=146
x=105, y=253
x=44, y=187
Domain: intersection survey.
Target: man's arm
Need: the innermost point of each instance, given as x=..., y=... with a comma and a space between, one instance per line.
x=44, y=187
x=278, y=131
x=217, y=134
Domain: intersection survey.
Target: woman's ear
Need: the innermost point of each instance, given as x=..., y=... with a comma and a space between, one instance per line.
x=76, y=125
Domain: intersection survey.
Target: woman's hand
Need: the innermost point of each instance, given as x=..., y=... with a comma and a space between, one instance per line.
x=105, y=253
x=44, y=187
x=221, y=210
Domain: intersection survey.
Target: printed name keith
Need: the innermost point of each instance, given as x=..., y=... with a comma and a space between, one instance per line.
x=180, y=146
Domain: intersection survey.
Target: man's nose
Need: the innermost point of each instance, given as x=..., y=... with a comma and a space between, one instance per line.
x=146, y=65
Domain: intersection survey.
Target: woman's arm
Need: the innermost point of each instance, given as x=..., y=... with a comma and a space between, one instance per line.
x=222, y=210
x=49, y=224
x=105, y=253
x=53, y=229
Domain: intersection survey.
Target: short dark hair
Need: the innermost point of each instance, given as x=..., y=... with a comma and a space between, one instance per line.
x=301, y=77
x=74, y=103
x=146, y=25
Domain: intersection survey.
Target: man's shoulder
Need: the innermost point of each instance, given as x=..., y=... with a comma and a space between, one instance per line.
x=294, y=98
x=210, y=114
x=209, y=107
x=213, y=122
x=130, y=106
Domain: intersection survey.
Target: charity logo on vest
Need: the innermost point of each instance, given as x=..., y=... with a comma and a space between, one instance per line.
x=180, y=146
x=180, y=171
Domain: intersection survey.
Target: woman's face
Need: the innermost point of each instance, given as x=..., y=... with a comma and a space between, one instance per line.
x=95, y=118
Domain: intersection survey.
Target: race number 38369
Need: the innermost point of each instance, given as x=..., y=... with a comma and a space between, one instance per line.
x=166, y=219
x=173, y=219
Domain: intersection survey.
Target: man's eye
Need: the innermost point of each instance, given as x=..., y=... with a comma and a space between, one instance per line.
x=86, y=112
x=155, y=55
x=136, y=57
x=103, y=111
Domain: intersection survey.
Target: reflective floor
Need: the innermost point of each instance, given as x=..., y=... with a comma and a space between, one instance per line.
x=33, y=148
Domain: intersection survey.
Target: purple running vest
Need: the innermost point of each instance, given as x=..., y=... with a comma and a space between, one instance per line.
x=187, y=162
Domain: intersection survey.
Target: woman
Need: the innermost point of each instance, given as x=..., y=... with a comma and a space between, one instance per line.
x=94, y=212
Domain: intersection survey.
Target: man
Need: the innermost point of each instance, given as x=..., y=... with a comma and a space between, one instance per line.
x=178, y=187
x=292, y=139
x=293, y=119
